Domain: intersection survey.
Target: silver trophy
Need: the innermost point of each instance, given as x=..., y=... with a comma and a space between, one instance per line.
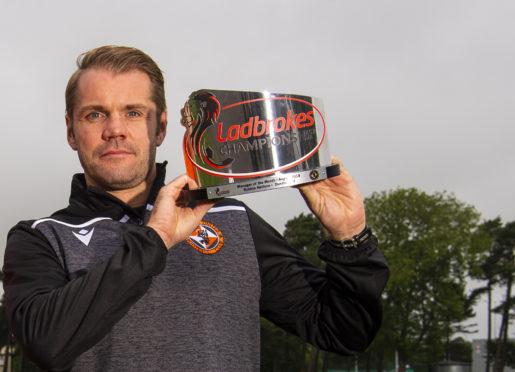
x=243, y=142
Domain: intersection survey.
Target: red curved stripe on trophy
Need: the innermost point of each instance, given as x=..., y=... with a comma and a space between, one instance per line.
x=214, y=165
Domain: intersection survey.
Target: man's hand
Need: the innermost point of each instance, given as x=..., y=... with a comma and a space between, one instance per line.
x=172, y=219
x=337, y=203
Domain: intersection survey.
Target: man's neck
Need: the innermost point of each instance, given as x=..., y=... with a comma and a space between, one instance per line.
x=134, y=197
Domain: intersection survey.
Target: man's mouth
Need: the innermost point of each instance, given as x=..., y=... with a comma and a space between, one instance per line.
x=115, y=153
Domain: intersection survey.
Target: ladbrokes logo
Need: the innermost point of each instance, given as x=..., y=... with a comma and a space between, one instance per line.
x=206, y=238
x=256, y=127
x=251, y=137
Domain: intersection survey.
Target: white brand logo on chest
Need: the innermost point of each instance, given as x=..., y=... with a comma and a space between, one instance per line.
x=84, y=235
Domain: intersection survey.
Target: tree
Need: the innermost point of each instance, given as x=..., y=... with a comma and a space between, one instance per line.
x=503, y=247
x=460, y=350
x=485, y=269
x=496, y=267
x=427, y=240
x=280, y=350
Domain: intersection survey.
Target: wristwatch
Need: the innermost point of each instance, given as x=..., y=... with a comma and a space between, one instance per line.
x=355, y=242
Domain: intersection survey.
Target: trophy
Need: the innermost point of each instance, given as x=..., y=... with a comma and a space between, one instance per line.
x=243, y=142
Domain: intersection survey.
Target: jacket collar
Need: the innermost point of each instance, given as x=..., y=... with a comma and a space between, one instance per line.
x=89, y=201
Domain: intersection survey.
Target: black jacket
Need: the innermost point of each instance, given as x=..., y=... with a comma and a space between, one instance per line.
x=70, y=303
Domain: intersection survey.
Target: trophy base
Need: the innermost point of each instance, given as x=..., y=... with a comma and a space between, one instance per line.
x=275, y=181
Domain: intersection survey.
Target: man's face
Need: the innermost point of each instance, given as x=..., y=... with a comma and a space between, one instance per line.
x=115, y=129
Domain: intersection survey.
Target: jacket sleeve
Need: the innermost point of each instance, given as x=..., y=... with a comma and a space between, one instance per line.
x=336, y=309
x=55, y=319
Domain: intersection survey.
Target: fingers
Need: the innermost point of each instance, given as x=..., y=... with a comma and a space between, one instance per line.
x=182, y=182
x=173, y=220
x=174, y=188
x=343, y=171
x=336, y=202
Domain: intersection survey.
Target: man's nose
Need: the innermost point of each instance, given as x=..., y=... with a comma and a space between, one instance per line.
x=114, y=127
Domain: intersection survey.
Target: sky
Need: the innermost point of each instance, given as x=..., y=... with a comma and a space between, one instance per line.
x=416, y=93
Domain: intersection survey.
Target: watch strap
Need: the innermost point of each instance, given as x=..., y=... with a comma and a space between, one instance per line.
x=356, y=241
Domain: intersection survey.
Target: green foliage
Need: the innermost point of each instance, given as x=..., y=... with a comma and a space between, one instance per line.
x=503, y=249
x=486, y=266
x=460, y=350
x=280, y=350
x=428, y=242
x=497, y=268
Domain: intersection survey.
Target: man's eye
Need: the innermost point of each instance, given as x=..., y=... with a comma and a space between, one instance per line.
x=93, y=115
x=133, y=114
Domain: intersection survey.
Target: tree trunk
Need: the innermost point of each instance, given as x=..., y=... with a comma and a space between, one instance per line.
x=499, y=349
x=507, y=315
x=503, y=331
x=489, y=330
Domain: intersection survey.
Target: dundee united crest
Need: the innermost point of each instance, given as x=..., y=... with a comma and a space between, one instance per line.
x=206, y=238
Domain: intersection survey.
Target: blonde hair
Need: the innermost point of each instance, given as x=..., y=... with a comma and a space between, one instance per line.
x=118, y=59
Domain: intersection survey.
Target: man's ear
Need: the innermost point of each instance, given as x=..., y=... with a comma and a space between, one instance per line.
x=69, y=133
x=162, y=124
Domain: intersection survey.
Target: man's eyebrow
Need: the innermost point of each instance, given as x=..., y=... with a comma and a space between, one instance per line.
x=91, y=108
x=137, y=106
x=101, y=108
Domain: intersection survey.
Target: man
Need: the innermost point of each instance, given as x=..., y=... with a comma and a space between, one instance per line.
x=112, y=282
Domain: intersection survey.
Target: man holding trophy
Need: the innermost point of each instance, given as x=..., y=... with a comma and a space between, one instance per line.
x=133, y=276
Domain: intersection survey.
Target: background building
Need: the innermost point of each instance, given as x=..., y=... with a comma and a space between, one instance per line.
x=479, y=357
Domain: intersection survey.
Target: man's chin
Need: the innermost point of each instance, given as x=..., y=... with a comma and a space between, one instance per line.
x=112, y=176
x=116, y=180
